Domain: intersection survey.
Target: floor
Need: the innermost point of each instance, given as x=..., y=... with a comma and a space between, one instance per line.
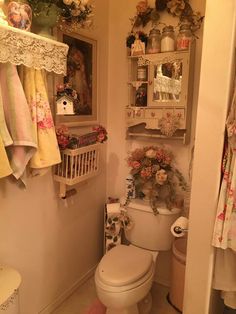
x=83, y=297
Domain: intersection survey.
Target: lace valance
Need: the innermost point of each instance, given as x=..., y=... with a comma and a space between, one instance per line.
x=21, y=47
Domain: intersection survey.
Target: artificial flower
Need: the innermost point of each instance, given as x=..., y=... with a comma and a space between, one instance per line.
x=161, y=176
x=151, y=153
x=176, y=7
x=142, y=7
x=67, y=2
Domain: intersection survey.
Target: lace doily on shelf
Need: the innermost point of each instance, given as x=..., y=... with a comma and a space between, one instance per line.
x=21, y=47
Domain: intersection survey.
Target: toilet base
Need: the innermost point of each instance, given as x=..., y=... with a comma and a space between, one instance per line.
x=130, y=310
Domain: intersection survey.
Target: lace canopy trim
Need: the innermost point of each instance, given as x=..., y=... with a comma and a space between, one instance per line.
x=21, y=47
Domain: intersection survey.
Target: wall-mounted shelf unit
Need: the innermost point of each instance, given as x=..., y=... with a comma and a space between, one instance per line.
x=77, y=165
x=165, y=93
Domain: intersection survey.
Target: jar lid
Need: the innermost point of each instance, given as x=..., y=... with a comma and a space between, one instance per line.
x=154, y=31
x=168, y=28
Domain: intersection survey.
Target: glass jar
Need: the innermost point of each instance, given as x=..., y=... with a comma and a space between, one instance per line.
x=168, y=39
x=154, y=41
x=184, y=37
x=142, y=73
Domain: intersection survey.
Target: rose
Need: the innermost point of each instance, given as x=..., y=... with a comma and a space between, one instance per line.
x=146, y=172
x=135, y=164
x=161, y=176
x=67, y=2
x=101, y=137
x=142, y=7
x=151, y=153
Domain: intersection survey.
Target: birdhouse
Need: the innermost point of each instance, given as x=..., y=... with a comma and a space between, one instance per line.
x=65, y=105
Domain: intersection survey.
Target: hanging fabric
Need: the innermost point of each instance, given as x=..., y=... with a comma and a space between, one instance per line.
x=5, y=168
x=17, y=117
x=48, y=154
x=224, y=236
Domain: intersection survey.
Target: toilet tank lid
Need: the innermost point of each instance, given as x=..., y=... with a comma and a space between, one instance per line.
x=124, y=265
x=10, y=281
x=145, y=206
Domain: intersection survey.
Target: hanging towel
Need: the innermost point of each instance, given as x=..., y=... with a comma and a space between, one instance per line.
x=48, y=154
x=18, y=120
x=5, y=169
x=4, y=133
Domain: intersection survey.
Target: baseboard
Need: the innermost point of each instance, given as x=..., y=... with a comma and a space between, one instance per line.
x=57, y=302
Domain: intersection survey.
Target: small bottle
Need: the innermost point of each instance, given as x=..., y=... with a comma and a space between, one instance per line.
x=184, y=37
x=154, y=41
x=168, y=39
x=142, y=73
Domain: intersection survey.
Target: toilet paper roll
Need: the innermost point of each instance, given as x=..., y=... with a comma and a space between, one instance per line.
x=113, y=209
x=179, y=227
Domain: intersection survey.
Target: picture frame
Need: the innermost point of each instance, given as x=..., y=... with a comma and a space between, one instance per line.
x=82, y=77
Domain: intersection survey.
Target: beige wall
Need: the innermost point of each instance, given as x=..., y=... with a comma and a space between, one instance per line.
x=51, y=243
x=214, y=92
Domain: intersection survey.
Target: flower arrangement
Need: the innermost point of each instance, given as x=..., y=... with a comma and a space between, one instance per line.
x=66, y=89
x=155, y=177
x=73, y=141
x=73, y=12
x=177, y=8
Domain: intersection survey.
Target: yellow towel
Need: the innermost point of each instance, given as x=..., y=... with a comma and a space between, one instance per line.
x=5, y=169
x=48, y=153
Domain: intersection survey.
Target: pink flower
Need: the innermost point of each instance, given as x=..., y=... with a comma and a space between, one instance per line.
x=146, y=172
x=135, y=164
x=60, y=87
x=101, y=137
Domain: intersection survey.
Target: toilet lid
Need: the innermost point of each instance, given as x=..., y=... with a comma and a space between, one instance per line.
x=124, y=265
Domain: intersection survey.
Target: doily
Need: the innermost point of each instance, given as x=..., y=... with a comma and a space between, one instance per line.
x=169, y=123
x=21, y=47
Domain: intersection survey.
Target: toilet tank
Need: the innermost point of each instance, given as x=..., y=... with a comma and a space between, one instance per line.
x=151, y=231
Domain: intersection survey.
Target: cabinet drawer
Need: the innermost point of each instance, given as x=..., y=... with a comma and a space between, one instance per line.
x=153, y=113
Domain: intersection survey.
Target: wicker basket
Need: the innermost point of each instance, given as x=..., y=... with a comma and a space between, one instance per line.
x=77, y=165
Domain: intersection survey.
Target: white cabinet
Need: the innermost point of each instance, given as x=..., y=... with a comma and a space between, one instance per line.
x=160, y=95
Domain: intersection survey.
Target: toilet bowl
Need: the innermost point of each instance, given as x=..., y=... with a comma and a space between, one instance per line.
x=125, y=273
x=124, y=277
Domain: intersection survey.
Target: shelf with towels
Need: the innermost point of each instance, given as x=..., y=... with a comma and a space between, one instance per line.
x=25, y=48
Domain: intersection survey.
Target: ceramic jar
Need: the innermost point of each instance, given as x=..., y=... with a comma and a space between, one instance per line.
x=19, y=15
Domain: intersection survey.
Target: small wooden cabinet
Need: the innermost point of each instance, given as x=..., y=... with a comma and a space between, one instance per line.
x=161, y=94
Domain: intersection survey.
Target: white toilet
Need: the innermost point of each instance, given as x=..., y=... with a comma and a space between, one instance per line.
x=124, y=275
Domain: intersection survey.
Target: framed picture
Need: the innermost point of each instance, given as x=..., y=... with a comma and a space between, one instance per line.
x=81, y=78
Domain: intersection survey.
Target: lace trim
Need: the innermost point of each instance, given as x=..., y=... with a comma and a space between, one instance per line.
x=10, y=301
x=21, y=47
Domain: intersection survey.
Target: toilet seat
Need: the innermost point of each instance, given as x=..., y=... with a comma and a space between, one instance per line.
x=124, y=268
